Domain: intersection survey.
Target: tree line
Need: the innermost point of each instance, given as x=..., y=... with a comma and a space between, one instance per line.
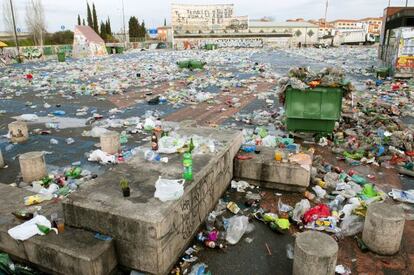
x=103, y=29
x=136, y=30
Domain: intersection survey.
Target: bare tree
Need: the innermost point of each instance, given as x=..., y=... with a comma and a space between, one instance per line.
x=7, y=16
x=35, y=20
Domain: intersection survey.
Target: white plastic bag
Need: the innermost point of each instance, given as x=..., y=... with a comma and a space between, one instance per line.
x=238, y=225
x=300, y=209
x=269, y=141
x=101, y=157
x=352, y=225
x=29, y=229
x=169, y=190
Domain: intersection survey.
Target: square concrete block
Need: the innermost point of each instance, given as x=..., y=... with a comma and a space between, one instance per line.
x=75, y=251
x=150, y=235
x=264, y=171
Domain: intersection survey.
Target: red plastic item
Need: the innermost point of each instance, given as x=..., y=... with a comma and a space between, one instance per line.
x=29, y=76
x=319, y=211
x=410, y=153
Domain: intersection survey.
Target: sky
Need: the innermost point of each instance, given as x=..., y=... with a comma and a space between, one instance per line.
x=60, y=13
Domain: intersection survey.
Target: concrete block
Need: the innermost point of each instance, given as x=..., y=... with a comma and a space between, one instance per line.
x=315, y=253
x=18, y=131
x=110, y=142
x=264, y=171
x=74, y=251
x=150, y=235
x=2, y=163
x=32, y=166
x=383, y=228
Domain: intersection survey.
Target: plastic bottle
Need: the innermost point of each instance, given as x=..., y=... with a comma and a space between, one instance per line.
x=188, y=166
x=154, y=141
x=152, y=156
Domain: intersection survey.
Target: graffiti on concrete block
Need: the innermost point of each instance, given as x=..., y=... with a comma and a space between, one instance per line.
x=32, y=53
x=238, y=43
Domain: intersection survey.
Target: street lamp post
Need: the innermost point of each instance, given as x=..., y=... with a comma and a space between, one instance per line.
x=123, y=19
x=16, y=40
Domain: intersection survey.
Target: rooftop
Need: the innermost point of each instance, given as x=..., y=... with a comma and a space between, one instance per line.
x=261, y=24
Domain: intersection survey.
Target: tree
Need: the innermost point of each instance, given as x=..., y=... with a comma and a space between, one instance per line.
x=35, y=20
x=133, y=28
x=143, y=30
x=79, y=20
x=108, y=27
x=89, y=16
x=165, y=22
x=83, y=22
x=103, y=31
x=95, y=19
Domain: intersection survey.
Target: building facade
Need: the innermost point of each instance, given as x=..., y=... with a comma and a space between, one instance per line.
x=194, y=26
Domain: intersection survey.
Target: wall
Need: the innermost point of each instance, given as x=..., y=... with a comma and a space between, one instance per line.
x=33, y=53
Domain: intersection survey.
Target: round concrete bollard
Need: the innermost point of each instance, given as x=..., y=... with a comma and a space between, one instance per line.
x=2, y=164
x=32, y=166
x=18, y=131
x=110, y=143
x=315, y=253
x=383, y=228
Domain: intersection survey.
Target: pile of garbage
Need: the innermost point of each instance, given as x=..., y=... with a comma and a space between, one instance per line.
x=303, y=79
x=57, y=185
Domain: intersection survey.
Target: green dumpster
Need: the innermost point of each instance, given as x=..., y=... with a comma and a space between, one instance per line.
x=210, y=47
x=61, y=56
x=185, y=64
x=191, y=64
x=119, y=50
x=109, y=50
x=47, y=51
x=383, y=72
x=313, y=110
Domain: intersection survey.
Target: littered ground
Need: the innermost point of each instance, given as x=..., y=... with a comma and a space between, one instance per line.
x=266, y=253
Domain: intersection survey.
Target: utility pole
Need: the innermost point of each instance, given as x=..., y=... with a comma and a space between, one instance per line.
x=406, y=3
x=123, y=19
x=16, y=40
x=326, y=11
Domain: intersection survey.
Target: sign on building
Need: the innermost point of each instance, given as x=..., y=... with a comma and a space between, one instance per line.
x=194, y=18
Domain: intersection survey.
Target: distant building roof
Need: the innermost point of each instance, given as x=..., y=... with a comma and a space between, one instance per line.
x=89, y=34
x=371, y=18
x=345, y=20
x=260, y=24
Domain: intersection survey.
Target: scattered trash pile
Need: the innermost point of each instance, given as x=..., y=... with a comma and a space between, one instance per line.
x=7, y=266
x=374, y=131
x=57, y=184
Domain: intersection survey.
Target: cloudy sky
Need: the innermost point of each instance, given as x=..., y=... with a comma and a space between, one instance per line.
x=64, y=12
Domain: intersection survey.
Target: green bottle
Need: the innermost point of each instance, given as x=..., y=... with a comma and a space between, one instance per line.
x=188, y=166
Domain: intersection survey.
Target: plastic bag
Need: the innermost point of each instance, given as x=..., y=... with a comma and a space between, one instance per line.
x=168, y=190
x=283, y=207
x=28, y=117
x=269, y=141
x=170, y=145
x=320, y=192
x=240, y=185
x=149, y=124
x=101, y=157
x=403, y=196
x=237, y=226
x=300, y=209
x=29, y=229
x=352, y=225
x=319, y=211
